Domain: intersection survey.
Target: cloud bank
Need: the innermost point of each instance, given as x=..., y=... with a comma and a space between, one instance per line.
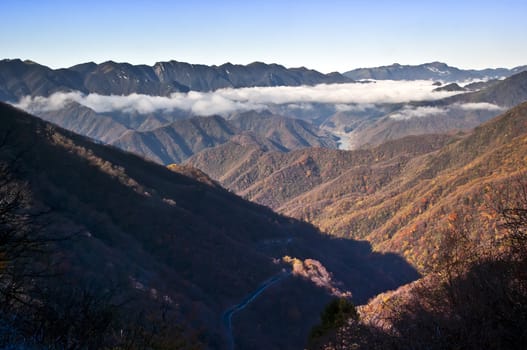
x=226, y=101
x=417, y=112
x=475, y=106
x=410, y=112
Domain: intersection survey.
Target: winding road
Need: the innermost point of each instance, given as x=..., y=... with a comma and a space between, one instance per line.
x=227, y=315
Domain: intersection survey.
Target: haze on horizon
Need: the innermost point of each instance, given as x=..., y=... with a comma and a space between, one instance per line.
x=323, y=35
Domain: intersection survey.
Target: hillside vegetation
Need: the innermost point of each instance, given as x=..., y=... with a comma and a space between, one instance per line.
x=474, y=297
x=396, y=196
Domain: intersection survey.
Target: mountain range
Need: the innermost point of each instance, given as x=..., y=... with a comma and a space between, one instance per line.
x=430, y=71
x=176, y=142
x=22, y=78
x=172, y=137
x=138, y=131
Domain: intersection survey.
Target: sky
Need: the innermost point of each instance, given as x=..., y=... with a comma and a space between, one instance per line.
x=328, y=35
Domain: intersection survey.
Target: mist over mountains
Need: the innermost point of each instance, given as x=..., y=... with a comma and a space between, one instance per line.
x=107, y=100
x=129, y=106
x=109, y=107
x=225, y=101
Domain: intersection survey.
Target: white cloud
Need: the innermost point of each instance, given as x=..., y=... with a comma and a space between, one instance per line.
x=383, y=91
x=409, y=112
x=301, y=106
x=225, y=101
x=354, y=107
x=417, y=112
x=45, y=104
x=204, y=104
x=473, y=106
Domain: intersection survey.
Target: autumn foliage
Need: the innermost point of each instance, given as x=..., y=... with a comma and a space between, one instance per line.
x=475, y=296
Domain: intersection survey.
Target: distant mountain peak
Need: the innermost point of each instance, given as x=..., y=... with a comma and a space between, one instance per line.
x=430, y=71
x=450, y=87
x=437, y=64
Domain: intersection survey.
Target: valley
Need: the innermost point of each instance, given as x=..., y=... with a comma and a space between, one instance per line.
x=170, y=239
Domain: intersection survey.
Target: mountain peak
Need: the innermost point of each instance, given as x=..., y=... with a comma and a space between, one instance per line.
x=109, y=63
x=437, y=64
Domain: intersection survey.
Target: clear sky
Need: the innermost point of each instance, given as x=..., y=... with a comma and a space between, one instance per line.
x=328, y=35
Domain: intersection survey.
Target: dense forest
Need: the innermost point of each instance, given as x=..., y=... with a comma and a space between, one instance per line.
x=475, y=297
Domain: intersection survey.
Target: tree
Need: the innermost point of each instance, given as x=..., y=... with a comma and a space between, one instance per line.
x=338, y=313
x=22, y=246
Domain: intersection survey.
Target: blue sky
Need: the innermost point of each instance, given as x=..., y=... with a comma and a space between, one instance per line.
x=324, y=35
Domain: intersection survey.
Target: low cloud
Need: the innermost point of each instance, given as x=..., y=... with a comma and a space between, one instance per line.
x=301, y=106
x=384, y=91
x=408, y=112
x=354, y=107
x=479, y=106
x=198, y=103
x=45, y=104
x=225, y=101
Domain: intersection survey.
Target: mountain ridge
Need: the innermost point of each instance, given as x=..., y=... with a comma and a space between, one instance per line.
x=430, y=71
x=20, y=78
x=175, y=142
